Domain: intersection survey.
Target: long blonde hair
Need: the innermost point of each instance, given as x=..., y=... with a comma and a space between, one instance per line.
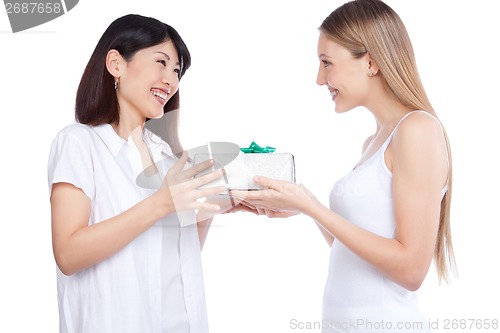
x=371, y=26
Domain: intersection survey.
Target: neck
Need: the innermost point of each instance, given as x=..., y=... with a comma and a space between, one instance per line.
x=129, y=130
x=385, y=108
x=128, y=126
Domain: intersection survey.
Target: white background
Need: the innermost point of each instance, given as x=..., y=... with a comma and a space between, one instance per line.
x=253, y=78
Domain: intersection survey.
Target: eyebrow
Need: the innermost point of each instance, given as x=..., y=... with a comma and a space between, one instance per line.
x=167, y=56
x=323, y=55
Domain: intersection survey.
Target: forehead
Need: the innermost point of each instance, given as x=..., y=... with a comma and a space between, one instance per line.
x=165, y=48
x=327, y=47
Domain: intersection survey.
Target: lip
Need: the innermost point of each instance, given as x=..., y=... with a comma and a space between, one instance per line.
x=166, y=91
x=160, y=99
x=333, y=92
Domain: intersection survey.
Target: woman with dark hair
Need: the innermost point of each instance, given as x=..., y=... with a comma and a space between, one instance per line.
x=124, y=263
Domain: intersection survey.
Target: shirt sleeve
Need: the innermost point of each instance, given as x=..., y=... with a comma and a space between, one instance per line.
x=70, y=160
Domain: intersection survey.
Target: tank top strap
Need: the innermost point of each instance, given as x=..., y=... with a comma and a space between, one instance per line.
x=389, y=138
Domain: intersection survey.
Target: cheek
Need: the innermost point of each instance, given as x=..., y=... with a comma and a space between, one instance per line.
x=331, y=78
x=352, y=82
x=134, y=80
x=174, y=82
x=173, y=91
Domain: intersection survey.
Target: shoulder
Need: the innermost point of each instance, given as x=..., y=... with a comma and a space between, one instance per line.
x=418, y=143
x=418, y=129
x=76, y=129
x=74, y=132
x=73, y=137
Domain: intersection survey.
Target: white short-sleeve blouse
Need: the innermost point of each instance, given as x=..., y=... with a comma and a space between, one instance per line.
x=155, y=283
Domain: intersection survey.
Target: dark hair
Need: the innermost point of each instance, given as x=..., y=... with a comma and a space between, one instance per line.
x=96, y=101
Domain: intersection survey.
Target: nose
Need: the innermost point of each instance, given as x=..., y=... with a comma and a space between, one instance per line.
x=321, y=77
x=171, y=79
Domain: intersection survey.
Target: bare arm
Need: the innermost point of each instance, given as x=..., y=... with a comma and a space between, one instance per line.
x=77, y=245
x=417, y=157
x=326, y=234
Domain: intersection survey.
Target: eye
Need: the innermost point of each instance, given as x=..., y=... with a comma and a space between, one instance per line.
x=163, y=62
x=326, y=63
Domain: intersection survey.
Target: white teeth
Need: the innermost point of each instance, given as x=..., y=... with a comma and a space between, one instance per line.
x=334, y=92
x=159, y=93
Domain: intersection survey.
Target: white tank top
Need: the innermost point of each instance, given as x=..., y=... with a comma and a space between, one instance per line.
x=358, y=297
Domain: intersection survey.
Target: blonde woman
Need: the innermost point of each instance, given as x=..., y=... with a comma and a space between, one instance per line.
x=389, y=217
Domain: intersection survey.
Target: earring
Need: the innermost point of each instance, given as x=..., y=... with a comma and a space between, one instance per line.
x=371, y=74
x=116, y=84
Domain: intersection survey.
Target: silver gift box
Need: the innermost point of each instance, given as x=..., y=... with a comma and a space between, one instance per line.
x=239, y=173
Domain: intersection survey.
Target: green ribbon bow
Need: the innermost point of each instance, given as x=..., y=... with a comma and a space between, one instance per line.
x=256, y=149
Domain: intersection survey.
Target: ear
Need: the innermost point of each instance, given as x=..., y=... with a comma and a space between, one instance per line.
x=372, y=67
x=114, y=63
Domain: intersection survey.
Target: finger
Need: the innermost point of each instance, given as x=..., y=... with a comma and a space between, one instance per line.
x=247, y=204
x=208, y=207
x=237, y=195
x=240, y=195
x=241, y=208
x=201, y=206
x=269, y=183
x=179, y=165
x=197, y=168
x=270, y=213
x=252, y=195
x=218, y=199
x=250, y=210
x=206, y=192
x=249, y=195
x=197, y=182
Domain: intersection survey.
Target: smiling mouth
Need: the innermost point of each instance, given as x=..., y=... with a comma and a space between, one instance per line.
x=160, y=95
x=334, y=93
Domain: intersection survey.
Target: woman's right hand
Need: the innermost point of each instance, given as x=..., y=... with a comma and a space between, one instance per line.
x=180, y=190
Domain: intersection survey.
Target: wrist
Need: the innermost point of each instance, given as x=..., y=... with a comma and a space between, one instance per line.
x=312, y=207
x=159, y=206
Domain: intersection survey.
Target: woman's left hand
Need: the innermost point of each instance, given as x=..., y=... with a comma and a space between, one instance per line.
x=279, y=198
x=227, y=204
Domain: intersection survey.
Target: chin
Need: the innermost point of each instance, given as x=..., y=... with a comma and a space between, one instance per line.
x=342, y=109
x=157, y=115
